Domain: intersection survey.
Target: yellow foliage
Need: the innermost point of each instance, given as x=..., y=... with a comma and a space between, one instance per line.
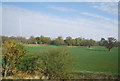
x=11, y=53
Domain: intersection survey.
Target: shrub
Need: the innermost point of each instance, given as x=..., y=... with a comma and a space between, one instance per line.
x=28, y=64
x=56, y=63
x=11, y=53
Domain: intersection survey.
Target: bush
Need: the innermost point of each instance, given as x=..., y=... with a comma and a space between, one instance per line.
x=11, y=54
x=56, y=63
x=28, y=64
x=52, y=64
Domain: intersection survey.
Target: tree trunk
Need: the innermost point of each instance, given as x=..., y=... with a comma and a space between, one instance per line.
x=5, y=74
x=6, y=70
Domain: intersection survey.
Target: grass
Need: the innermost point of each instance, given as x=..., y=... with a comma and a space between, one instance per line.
x=98, y=59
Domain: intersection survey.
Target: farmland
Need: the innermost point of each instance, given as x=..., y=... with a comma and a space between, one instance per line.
x=97, y=59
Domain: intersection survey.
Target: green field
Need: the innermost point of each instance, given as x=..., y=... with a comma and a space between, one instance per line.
x=97, y=59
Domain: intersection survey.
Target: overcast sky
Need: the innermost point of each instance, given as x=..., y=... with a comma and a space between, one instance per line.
x=83, y=19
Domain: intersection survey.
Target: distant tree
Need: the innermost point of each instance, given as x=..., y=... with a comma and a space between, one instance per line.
x=83, y=42
x=32, y=40
x=110, y=43
x=88, y=42
x=91, y=42
x=102, y=39
x=38, y=40
x=77, y=41
x=69, y=41
x=73, y=42
x=20, y=39
x=5, y=38
x=102, y=42
x=11, y=53
x=58, y=41
x=16, y=39
x=45, y=40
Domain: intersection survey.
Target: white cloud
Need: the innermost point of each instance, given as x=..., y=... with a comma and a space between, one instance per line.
x=62, y=9
x=36, y=24
x=96, y=16
x=110, y=7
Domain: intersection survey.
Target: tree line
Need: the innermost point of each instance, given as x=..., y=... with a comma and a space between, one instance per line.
x=47, y=40
x=68, y=41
